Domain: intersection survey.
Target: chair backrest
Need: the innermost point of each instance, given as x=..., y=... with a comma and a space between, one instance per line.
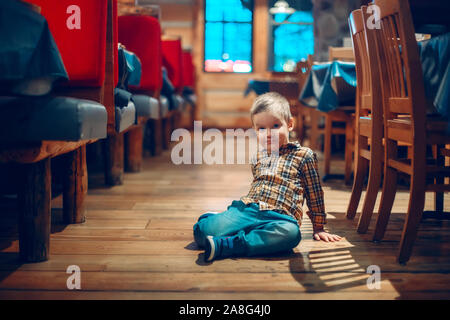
x=79, y=30
x=173, y=61
x=188, y=70
x=142, y=35
x=368, y=90
x=340, y=53
x=400, y=65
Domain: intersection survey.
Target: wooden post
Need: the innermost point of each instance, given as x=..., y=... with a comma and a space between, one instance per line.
x=157, y=136
x=75, y=185
x=167, y=131
x=133, y=149
x=34, y=211
x=114, y=158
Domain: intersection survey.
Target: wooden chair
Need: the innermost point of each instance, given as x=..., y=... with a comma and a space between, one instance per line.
x=368, y=124
x=405, y=120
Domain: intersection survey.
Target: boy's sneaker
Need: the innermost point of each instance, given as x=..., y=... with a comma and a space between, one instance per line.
x=210, y=249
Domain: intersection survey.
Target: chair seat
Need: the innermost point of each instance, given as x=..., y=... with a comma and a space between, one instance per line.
x=164, y=103
x=405, y=165
x=436, y=128
x=433, y=124
x=146, y=106
x=51, y=118
x=125, y=117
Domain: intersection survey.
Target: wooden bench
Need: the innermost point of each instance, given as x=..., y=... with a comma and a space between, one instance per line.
x=141, y=34
x=37, y=129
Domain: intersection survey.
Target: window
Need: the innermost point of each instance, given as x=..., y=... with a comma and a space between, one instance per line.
x=228, y=35
x=291, y=36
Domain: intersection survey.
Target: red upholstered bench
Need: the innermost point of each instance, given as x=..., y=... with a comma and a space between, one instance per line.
x=173, y=61
x=189, y=83
x=172, y=56
x=82, y=44
x=142, y=35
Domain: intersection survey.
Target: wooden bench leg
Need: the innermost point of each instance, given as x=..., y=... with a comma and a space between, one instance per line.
x=113, y=152
x=167, y=131
x=158, y=136
x=153, y=137
x=133, y=149
x=34, y=211
x=75, y=185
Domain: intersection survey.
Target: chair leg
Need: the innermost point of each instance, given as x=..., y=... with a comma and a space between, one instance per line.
x=327, y=144
x=133, y=149
x=349, y=147
x=34, y=211
x=75, y=186
x=315, y=117
x=361, y=165
x=373, y=186
x=415, y=210
x=300, y=125
x=113, y=150
x=387, y=200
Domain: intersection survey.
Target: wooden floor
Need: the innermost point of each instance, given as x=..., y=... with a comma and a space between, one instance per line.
x=137, y=243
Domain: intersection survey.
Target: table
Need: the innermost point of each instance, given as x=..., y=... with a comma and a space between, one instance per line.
x=330, y=85
x=30, y=62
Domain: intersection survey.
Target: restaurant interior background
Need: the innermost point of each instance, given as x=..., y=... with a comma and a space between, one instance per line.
x=111, y=200
x=315, y=26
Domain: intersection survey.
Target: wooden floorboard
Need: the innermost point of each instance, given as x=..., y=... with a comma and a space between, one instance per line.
x=137, y=243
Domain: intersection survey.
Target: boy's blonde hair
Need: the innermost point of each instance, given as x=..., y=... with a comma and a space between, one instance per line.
x=274, y=103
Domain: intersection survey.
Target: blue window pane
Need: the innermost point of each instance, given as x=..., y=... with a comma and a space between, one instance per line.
x=228, y=36
x=292, y=42
x=213, y=36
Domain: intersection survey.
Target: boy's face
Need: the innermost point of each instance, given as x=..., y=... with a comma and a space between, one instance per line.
x=272, y=131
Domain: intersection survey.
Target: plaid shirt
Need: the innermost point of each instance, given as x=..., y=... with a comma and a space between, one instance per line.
x=281, y=182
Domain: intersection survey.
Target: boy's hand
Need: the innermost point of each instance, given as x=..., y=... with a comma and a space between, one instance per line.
x=320, y=234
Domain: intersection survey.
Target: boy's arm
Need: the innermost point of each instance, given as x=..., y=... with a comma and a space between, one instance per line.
x=313, y=191
x=314, y=198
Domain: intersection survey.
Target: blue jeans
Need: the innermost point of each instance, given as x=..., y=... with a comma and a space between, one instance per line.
x=254, y=232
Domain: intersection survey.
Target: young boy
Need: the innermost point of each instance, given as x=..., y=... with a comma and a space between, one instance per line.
x=267, y=219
